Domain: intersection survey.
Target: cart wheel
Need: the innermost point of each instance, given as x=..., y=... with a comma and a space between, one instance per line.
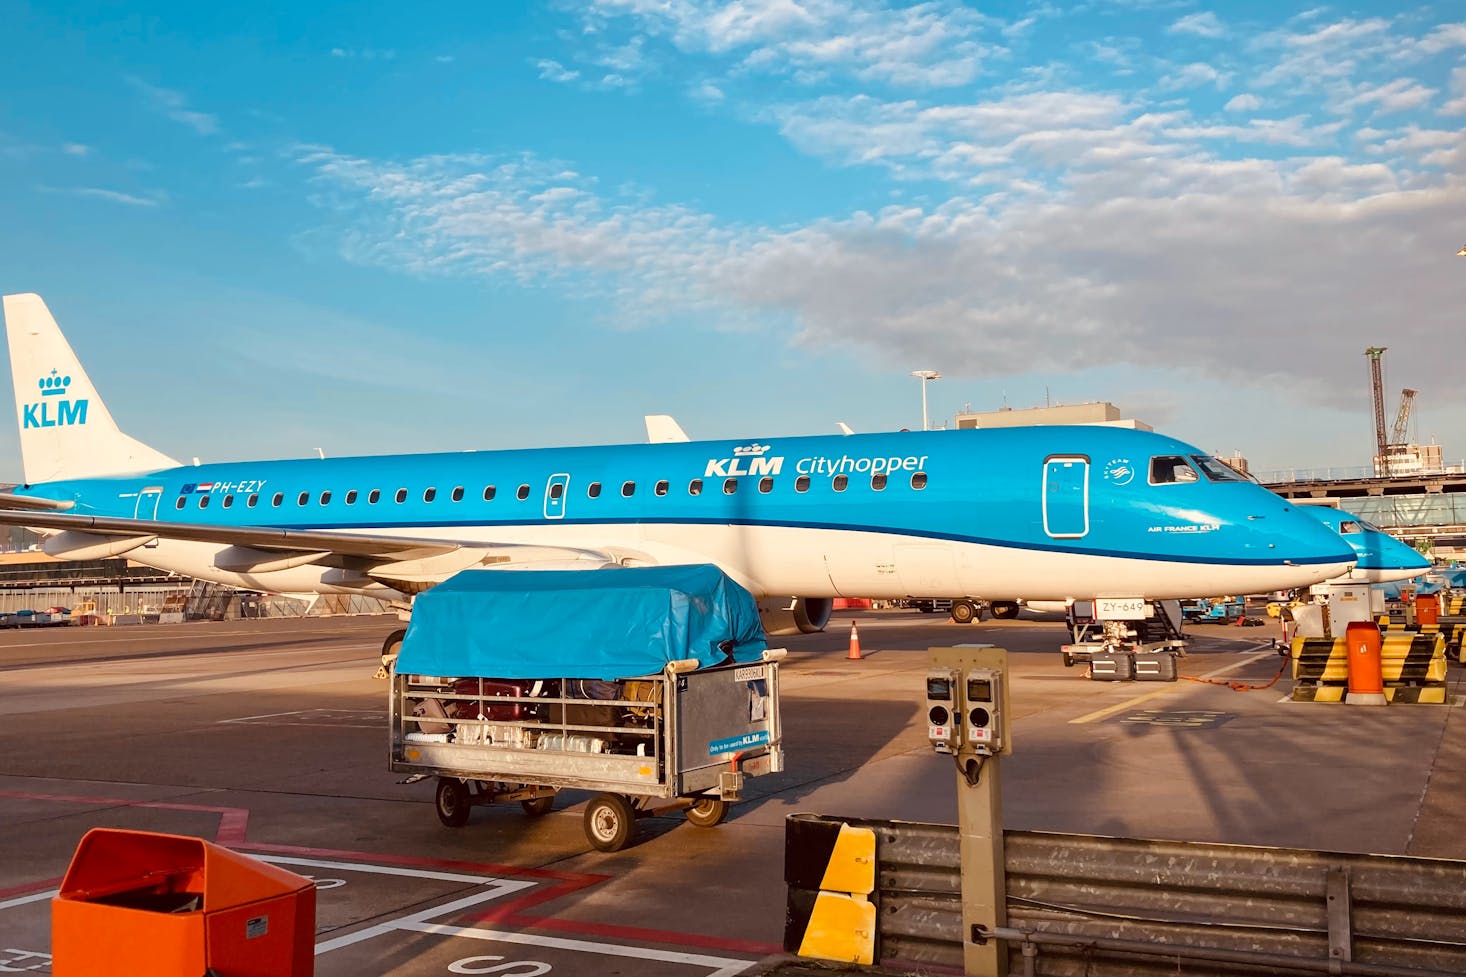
x=706, y=812
x=538, y=806
x=963, y=612
x=609, y=822
x=453, y=802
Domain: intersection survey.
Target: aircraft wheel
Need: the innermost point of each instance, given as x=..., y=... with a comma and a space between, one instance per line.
x=707, y=812
x=963, y=612
x=453, y=802
x=610, y=822
x=1003, y=610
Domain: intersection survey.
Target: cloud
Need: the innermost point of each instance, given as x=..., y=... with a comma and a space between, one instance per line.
x=925, y=45
x=174, y=105
x=1443, y=38
x=1205, y=24
x=1176, y=263
x=1195, y=75
x=555, y=71
x=364, y=54
x=113, y=196
x=76, y=149
x=1399, y=95
x=1246, y=102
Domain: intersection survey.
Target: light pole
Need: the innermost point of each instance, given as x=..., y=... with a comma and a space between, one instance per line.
x=924, y=376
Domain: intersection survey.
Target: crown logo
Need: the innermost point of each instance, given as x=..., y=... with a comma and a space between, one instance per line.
x=750, y=450
x=54, y=385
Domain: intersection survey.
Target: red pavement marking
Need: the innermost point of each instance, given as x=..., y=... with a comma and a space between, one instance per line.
x=234, y=822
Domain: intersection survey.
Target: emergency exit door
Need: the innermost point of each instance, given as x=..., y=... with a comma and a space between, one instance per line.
x=1066, y=497
x=555, y=491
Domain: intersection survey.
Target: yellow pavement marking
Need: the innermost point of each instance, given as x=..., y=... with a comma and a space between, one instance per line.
x=1111, y=710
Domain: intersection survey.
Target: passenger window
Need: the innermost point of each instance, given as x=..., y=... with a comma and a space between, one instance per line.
x=401, y=496
x=1170, y=469
x=374, y=496
x=278, y=499
x=351, y=497
x=182, y=500
x=557, y=490
x=766, y=485
x=303, y=498
x=522, y=493
x=694, y=487
x=228, y=501
x=730, y=485
x=918, y=480
x=203, y=501
x=458, y=494
x=839, y=482
x=628, y=489
x=488, y=493
x=429, y=494
x=325, y=498
x=801, y=484
x=593, y=490
x=253, y=500
x=662, y=487
x=878, y=481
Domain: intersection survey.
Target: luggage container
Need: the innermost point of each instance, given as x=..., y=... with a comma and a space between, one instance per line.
x=658, y=694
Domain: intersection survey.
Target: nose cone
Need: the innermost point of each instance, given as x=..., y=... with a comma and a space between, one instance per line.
x=1379, y=557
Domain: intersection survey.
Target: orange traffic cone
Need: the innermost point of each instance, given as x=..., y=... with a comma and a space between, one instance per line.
x=854, y=654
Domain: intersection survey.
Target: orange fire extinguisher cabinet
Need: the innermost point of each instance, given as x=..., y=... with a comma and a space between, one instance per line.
x=139, y=904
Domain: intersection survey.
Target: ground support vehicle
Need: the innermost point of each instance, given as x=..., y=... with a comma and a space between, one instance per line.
x=1121, y=640
x=688, y=738
x=658, y=692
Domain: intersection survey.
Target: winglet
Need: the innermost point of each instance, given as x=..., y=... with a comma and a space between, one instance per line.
x=663, y=429
x=66, y=430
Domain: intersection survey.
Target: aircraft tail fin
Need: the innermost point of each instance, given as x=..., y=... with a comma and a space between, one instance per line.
x=66, y=430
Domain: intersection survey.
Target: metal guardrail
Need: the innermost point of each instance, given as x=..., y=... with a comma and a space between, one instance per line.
x=1111, y=906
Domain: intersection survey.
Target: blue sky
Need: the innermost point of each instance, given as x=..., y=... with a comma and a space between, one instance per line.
x=371, y=228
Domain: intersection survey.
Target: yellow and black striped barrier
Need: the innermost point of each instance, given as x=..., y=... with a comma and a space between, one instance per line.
x=1453, y=631
x=830, y=869
x=1413, y=665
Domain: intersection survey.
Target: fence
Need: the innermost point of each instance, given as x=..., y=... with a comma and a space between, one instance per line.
x=1107, y=907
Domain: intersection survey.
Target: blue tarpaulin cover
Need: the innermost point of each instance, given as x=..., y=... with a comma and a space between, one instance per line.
x=602, y=624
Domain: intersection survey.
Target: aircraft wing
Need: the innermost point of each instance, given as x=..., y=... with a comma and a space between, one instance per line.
x=407, y=564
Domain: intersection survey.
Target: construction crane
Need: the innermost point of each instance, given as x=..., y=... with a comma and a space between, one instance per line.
x=1382, y=458
x=1402, y=419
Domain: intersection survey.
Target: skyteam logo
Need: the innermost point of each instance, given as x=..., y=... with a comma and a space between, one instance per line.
x=748, y=459
x=1120, y=471
x=53, y=409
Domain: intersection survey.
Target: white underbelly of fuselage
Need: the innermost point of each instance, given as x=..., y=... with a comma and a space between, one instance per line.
x=782, y=561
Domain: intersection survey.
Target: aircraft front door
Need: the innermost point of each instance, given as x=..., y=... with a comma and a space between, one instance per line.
x=147, y=506
x=1066, y=496
x=555, y=491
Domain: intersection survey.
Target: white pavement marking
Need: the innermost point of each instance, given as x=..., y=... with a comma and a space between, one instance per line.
x=1111, y=710
x=726, y=966
x=33, y=897
x=414, y=873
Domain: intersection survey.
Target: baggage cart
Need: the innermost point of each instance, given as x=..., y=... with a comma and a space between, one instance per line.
x=687, y=738
x=698, y=715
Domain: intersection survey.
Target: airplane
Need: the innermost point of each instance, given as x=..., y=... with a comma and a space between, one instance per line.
x=1052, y=512
x=1380, y=557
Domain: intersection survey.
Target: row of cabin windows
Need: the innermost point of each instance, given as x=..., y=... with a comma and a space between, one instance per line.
x=557, y=491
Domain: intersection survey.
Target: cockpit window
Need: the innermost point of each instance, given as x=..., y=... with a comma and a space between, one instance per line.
x=1217, y=471
x=1348, y=527
x=1169, y=469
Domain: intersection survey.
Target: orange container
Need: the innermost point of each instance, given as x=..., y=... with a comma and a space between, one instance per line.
x=1366, y=674
x=1427, y=609
x=139, y=904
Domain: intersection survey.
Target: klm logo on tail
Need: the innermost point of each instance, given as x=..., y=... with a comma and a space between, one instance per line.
x=53, y=409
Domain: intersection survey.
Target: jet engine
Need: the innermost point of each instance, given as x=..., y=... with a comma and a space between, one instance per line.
x=795, y=615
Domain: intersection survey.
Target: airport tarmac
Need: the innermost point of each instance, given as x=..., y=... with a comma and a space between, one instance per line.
x=269, y=737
